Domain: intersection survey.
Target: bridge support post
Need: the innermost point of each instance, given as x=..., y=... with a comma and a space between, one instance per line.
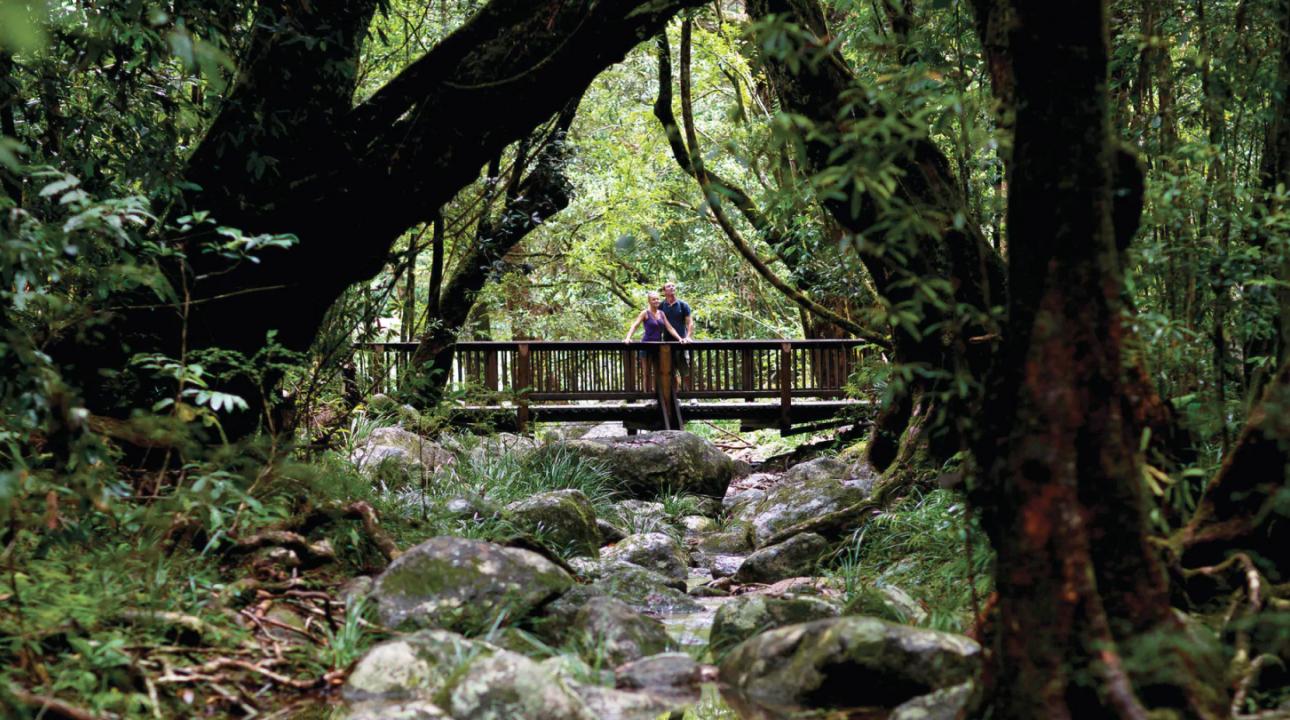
x=666, y=390
x=523, y=383
x=785, y=387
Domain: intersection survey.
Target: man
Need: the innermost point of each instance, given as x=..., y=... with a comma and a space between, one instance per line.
x=682, y=320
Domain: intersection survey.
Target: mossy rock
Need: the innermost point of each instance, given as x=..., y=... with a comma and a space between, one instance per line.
x=417, y=665
x=669, y=461
x=644, y=589
x=564, y=519
x=748, y=615
x=794, y=502
x=654, y=551
x=795, y=557
x=465, y=585
x=610, y=632
x=848, y=662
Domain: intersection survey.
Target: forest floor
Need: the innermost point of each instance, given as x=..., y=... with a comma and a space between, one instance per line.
x=146, y=620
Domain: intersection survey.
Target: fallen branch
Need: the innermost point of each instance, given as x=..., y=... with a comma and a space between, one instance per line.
x=317, y=553
x=372, y=526
x=50, y=707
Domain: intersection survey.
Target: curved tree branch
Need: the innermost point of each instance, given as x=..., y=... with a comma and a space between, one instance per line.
x=691, y=161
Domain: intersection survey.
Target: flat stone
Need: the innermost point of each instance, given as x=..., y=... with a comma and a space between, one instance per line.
x=652, y=464
x=663, y=671
x=467, y=585
x=655, y=551
x=794, y=557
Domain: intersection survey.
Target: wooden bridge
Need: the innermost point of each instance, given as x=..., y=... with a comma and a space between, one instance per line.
x=793, y=385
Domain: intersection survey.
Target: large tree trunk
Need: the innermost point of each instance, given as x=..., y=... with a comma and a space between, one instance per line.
x=288, y=154
x=946, y=264
x=1061, y=494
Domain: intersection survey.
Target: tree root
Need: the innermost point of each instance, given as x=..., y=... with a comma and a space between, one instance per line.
x=372, y=526
x=50, y=707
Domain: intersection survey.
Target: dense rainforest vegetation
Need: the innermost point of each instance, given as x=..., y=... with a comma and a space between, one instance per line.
x=1061, y=230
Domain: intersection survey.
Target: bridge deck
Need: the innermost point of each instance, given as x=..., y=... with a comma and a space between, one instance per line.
x=762, y=383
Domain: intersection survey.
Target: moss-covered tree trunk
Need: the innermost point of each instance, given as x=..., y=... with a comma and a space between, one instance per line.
x=939, y=270
x=1060, y=492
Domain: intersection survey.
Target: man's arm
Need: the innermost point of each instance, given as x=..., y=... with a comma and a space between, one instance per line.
x=689, y=323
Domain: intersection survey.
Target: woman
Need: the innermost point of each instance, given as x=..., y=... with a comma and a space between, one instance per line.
x=655, y=323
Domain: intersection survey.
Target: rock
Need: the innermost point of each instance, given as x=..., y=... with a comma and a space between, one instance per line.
x=742, y=505
x=644, y=589
x=470, y=507
x=704, y=505
x=709, y=590
x=411, y=666
x=742, y=469
x=494, y=446
x=945, y=704
x=609, y=704
x=822, y=468
x=888, y=602
x=651, y=464
x=609, y=632
x=400, y=710
x=733, y=540
x=405, y=452
x=355, y=589
x=792, y=503
x=563, y=519
x=506, y=685
x=585, y=568
x=697, y=525
x=794, y=557
x=725, y=565
x=609, y=533
x=848, y=662
x=467, y=585
x=663, y=671
x=748, y=615
x=654, y=551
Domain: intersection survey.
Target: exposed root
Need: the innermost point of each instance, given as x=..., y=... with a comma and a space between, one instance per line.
x=50, y=707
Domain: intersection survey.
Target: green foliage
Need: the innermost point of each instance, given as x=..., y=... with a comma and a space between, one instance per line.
x=920, y=544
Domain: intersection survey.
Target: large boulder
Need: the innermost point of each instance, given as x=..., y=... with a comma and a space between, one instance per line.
x=467, y=585
x=795, y=557
x=563, y=519
x=847, y=662
x=748, y=615
x=794, y=502
x=609, y=632
x=654, y=551
x=395, y=448
x=668, y=461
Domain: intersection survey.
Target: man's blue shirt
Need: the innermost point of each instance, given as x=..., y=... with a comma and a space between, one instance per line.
x=676, y=314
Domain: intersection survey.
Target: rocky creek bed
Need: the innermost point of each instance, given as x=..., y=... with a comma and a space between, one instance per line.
x=646, y=612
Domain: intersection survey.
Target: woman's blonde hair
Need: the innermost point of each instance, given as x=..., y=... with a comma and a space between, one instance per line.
x=651, y=294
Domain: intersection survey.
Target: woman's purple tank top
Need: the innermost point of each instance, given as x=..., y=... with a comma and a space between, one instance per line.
x=653, y=327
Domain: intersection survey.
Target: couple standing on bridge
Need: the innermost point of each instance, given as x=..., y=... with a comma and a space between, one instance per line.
x=670, y=315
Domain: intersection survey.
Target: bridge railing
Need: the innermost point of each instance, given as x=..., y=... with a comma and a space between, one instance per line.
x=605, y=370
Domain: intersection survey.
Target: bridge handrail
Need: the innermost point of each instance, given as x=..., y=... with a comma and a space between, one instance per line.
x=757, y=344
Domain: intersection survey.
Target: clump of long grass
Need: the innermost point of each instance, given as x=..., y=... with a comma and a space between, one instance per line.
x=488, y=481
x=926, y=544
